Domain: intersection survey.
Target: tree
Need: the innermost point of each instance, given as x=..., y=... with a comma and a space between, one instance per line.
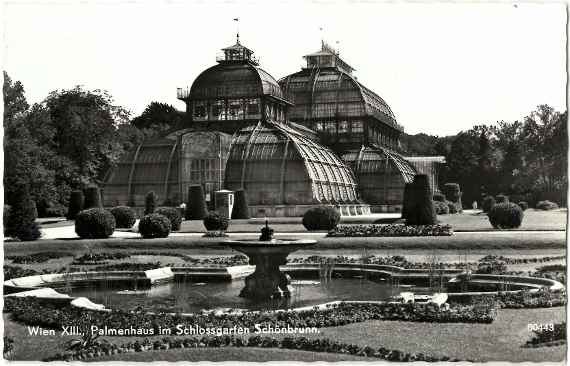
x=157, y=118
x=546, y=145
x=25, y=159
x=84, y=127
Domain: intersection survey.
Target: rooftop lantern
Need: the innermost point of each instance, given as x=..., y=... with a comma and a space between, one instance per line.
x=237, y=53
x=327, y=57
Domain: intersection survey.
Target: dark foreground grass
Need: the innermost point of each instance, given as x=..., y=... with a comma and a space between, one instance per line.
x=232, y=354
x=459, y=241
x=498, y=341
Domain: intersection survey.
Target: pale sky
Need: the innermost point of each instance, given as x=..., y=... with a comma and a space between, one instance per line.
x=442, y=67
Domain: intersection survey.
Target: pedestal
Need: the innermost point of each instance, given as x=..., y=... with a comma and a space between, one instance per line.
x=267, y=282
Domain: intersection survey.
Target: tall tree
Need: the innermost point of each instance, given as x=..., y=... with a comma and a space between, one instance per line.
x=544, y=137
x=24, y=158
x=84, y=131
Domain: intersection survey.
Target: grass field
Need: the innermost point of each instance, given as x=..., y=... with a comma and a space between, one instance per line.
x=498, y=341
x=459, y=241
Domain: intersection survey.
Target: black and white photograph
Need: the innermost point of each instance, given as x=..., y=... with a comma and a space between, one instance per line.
x=251, y=181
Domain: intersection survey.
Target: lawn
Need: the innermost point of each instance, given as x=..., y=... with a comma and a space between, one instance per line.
x=498, y=341
x=459, y=241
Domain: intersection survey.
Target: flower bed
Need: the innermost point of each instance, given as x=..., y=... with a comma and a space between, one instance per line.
x=396, y=260
x=98, y=349
x=390, y=230
x=40, y=257
x=15, y=272
x=98, y=258
x=30, y=311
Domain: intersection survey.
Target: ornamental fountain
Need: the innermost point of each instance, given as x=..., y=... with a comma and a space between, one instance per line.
x=267, y=254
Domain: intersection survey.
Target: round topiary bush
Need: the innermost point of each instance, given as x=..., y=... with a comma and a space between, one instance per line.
x=321, y=218
x=506, y=215
x=523, y=205
x=546, y=205
x=196, y=205
x=441, y=208
x=501, y=198
x=241, y=208
x=154, y=226
x=125, y=217
x=94, y=223
x=488, y=203
x=173, y=214
x=92, y=198
x=216, y=222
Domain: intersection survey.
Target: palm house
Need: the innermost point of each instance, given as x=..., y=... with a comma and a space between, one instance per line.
x=316, y=137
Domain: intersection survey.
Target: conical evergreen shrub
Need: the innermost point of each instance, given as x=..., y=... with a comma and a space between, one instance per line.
x=196, y=205
x=92, y=198
x=241, y=208
x=407, y=203
x=75, y=204
x=150, y=203
x=421, y=211
x=21, y=222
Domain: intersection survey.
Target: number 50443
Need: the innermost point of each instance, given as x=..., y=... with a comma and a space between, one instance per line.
x=539, y=327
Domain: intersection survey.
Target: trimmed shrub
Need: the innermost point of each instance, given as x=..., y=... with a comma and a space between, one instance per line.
x=488, y=203
x=56, y=210
x=241, y=208
x=452, y=207
x=216, y=222
x=92, y=198
x=453, y=194
x=21, y=222
x=94, y=223
x=441, y=208
x=196, y=205
x=523, y=205
x=125, y=217
x=546, y=205
x=75, y=204
x=439, y=197
x=407, y=202
x=321, y=218
x=173, y=214
x=154, y=226
x=150, y=202
x=506, y=215
x=501, y=198
x=422, y=211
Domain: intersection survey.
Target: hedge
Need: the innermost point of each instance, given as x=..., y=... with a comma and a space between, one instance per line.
x=216, y=222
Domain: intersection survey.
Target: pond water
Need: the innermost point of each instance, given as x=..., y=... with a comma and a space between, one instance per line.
x=194, y=297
